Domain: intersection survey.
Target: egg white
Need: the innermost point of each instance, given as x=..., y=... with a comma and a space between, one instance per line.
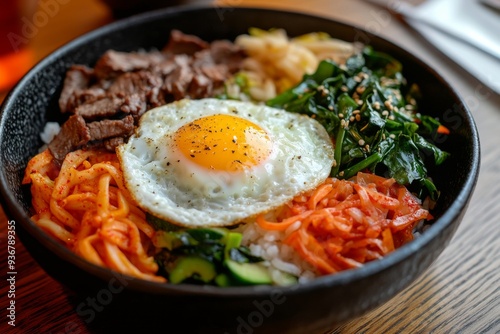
x=169, y=186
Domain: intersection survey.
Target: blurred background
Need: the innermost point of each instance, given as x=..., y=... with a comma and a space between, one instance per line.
x=15, y=56
x=31, y=29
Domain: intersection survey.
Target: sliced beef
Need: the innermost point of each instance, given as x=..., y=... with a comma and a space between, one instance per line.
x=180, y=43
x=84, y=96
x=78, y=78
x=135, y=83
x=166, y=66
x=74, y=133
x=107, y=101
x=176, y=84
x=110, y=106
x=155, y=98
x=114, y=63
x=219, y=62
x=112, y=143
x=200, y=86
x=108, y=128
x=135, y=105
x=105, y=107
x=216, y=73
x=228, y=54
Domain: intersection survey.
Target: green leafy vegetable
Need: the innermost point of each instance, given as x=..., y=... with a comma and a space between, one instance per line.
x=207, y=256
x=372, y=116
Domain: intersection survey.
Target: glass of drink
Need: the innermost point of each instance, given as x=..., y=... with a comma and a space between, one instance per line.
x=16, y=58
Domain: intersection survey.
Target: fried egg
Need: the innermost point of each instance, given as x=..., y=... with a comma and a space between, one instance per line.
x=216, y=162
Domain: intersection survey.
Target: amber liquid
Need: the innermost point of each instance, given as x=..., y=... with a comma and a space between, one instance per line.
x=16, y=57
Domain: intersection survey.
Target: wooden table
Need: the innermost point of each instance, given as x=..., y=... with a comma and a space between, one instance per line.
x=465, y=299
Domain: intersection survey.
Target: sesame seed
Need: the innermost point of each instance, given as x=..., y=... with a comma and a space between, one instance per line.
x=376, y=105
x=357, y=111
x=392, y=135
x=341, y=173
x=367, y=147
x=361, y=142
x=334, y=163
x=358, y=117
x=392, y=117
x=351, y=119
x=360, y=89
x=388, y=104
x=330, y=107
x=359, y=102
x=344, y=88
x=341, y=115
x=385, y=113
x=357, y=79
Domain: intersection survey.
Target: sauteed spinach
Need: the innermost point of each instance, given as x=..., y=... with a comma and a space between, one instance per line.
x=372, y=115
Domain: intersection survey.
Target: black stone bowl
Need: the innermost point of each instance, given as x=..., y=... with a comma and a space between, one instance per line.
x=109, y=302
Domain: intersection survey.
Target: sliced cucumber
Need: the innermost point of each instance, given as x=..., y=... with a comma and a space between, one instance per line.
x=168, y=240
x=285, y=279
x=223, y=280
x=160, y=224
x=193, y=267
x=204, y=234
x=233, y=240
x=249, y=273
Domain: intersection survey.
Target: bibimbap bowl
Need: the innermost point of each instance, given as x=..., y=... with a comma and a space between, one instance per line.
x=314, y=306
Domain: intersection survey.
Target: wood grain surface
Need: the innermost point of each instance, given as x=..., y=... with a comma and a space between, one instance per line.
x=459, y=293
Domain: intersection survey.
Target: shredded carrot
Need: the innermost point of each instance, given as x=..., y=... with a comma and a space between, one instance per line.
x=443, y=130
x=283, y=225
x=345, y=223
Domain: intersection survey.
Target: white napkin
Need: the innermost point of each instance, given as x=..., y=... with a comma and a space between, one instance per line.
x=470, y=21
x=481, y=65
x=466, y=31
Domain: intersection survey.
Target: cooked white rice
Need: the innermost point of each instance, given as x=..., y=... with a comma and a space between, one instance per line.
x=50, y=130
x=281, y=259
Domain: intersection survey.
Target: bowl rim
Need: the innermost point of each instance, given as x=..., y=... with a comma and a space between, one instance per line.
x=12, y=207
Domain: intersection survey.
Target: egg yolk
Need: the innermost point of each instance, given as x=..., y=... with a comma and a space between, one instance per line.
x=223, y=143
